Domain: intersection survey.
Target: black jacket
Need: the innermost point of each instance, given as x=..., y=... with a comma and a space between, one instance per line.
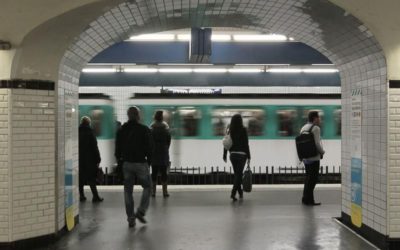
x=89, y=155
x=161, y=143
x=240, y=142
x=134, y=143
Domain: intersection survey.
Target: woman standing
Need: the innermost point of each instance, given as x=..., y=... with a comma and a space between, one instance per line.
x=160, y=158
x=239, y=153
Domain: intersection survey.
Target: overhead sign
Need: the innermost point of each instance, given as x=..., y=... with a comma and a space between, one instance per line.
x=191, y=91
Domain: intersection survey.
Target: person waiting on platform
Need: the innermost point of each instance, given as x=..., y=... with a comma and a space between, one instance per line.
x=89, y=159
x=134, y=147
x=160, y=157
x=312, y=164
x=239, y=153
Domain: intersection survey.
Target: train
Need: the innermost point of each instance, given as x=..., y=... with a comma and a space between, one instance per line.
x=100, y=109
x=198, y=124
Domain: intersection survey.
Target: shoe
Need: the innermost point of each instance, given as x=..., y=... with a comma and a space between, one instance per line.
x=240, y=194
x=140, y=217
x=82, y=198
x=165, y=190
x=314, y=204
x=131, y=223
x=97, y=199
x=233, y=197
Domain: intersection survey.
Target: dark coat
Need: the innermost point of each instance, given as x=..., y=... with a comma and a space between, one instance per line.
x=89, y=155
x=134, y=143
x=161, y=143
x=240, y=142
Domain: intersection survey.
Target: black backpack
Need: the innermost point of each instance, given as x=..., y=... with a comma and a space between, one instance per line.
x=305, y=145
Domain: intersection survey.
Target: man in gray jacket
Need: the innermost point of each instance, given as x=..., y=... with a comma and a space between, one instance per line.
x=312, y=164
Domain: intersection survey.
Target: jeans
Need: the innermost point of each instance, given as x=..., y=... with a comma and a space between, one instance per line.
x=238, y=163
x=312, y=170
x=141, y=171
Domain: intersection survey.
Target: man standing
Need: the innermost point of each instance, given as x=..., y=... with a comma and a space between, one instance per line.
x=133, y=146
x=89, y=160
x=312, y=164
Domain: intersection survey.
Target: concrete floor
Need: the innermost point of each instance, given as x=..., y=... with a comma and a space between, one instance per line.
x=207, y=219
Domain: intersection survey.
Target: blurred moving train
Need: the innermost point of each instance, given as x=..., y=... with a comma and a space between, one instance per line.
x=198, y=124
x=100, y=109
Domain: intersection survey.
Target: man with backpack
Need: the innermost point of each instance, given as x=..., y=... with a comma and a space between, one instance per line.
x=134, y=147
x=312, y=132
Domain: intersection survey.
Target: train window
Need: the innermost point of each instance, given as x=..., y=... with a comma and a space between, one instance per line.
x=96, y=115
x=253, y=119
x=337, y=114
x=189, y=121
x=321, y=116
x=287, y=120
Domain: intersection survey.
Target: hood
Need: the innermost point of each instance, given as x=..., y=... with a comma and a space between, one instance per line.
x=159, y=125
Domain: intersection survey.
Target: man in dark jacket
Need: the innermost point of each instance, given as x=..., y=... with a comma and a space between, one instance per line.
x=161, y=144
x=89, y=159
x=134, y=147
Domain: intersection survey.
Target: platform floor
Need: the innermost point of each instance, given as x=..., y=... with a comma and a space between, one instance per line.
x=268, y=218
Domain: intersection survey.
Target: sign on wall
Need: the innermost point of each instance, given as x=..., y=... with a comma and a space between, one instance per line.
x=356, y=162
x=69, y=170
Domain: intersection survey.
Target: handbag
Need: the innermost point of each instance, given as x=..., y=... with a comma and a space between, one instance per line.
x=305, y=145
x=247, y=179
x=100, y=176
x=227, y=141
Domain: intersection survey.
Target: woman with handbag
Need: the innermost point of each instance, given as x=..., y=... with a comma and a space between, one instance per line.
x=239, y=152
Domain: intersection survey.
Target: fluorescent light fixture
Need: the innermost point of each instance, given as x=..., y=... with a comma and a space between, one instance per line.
x=320, y=70
x=185, y=64
x=140, y=70
x=291, y=39
x=184, y=37
x=284, y=70
x=322, y=64
x=244, y=70
x=99, y=70
x=175, y=70
x=153, y=37
x=209, y=70
x=220, y=38
x=259, y=38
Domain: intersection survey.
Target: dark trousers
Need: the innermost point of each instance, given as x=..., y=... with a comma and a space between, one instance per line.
x=311, y=180
x=238, y=162
x=92, y=185
x=155, y=170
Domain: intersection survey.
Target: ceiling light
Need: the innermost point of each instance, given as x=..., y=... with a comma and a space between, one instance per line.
x=259, y=38
x=320, y=70
x=209, y=70
x=184, y=37
x=244, y=70
x=284, y=70
x=153, y=37
x=220, y=38
x=99, y=70
x=291, y=39
x=175, y=70
x=140, y=70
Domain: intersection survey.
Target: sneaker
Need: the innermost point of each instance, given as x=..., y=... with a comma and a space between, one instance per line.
x=97, y=199
x=131, y=223
x=140, y=217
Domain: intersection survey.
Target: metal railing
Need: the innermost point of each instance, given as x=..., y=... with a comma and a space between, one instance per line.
x=224, y=175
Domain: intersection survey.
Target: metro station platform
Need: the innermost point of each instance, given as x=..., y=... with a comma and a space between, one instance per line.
x=204, y=217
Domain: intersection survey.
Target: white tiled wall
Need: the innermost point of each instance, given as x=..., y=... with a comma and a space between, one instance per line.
x=4, y=167
x=27, y=174
x=33, y=163
x=394, y=164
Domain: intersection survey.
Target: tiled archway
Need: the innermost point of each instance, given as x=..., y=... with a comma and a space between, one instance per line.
x=320, y=24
